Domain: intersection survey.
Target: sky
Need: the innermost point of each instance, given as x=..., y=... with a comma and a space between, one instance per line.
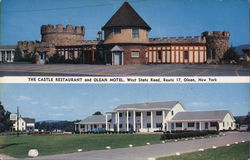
x=77, y=101
x=21, y=19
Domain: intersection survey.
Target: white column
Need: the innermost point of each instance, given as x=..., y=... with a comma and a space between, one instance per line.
x=127, y=125
x=134, y=127
x=106, y=120
x=141, y=120
x=79, y=127
x=118, y=122
x=200, y=126
x=182, y=125
x=152, y=124
x=163, y=120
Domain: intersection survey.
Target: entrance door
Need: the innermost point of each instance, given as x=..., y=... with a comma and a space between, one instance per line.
x=117, y=56
x=42, y=57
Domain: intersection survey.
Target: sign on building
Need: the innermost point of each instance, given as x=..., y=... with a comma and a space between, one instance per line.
x=13, y=117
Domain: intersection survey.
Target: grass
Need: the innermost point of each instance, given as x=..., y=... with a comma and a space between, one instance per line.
x=234, y=152
x=47, y=145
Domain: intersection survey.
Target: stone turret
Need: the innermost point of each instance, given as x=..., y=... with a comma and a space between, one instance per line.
x=217, y=45
x=59, y=35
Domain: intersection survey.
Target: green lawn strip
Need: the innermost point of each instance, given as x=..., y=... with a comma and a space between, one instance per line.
x=47, y=145
x=234, y=152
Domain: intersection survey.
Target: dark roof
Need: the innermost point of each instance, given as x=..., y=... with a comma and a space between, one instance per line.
x=153, y=105
x=8, y=46
x=126, y=16
x=201, y=115
x=178, y=40
x=95, y=119
x=28, y=120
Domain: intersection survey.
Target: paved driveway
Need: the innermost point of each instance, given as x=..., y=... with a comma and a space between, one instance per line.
x=126, y=70
x=157, y=150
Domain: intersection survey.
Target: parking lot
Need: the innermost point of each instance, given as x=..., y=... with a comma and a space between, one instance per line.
x=126, y=70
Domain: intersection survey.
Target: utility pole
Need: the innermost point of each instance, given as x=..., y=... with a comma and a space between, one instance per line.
x=17, y=121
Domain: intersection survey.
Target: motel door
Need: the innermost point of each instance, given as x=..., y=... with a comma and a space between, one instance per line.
x=42, y=57
x=117, y=57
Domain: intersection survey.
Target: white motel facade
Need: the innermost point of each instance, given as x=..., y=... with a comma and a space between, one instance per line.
x=159, y=116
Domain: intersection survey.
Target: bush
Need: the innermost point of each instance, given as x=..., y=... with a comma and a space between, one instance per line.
x=185, y=134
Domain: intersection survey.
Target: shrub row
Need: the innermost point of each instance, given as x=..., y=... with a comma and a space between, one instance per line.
x=185, y=134
x=106, y=132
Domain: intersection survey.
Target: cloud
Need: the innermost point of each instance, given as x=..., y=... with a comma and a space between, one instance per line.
x=56, y=114
x=62, y=107
x=24, y=98
x=115, y=100
x=198, y=104
x=34, y=102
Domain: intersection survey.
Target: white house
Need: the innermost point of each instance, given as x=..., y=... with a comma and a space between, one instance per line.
x=144, y=117
x=93, y=123
x=25, y=124
x=202, y=120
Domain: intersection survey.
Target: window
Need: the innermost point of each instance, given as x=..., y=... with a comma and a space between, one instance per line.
x=120, y=114
x=138, y=114
x=197, y=125
x=158, y=125
x=172, y=112
x=103, y=125
x=148, y=125
x=129, y=114
x=159, y=55
x=135, y=54
x=158, y=113
x=135, y=32
x=117, y=30
x=172, y=125
x=146, y=54
x=120, y=125
x=231, y=124
x=206, y=125
x=223, y=124
x=213, y=124
x=178, y=125
x=190, y=124
x=185, y=54
x=95, y=126
x=148, y=113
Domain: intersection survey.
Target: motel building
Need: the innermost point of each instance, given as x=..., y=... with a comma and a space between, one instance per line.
x=144, y=117
x=24, y=124
x=93, y=123
x=158, y=116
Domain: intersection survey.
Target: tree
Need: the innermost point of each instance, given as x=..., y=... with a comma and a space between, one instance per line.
x=97, y=113
x=230, y=55
x=5, y=123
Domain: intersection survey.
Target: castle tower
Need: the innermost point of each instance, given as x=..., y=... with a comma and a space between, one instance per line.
x=217, y=45
x=59, y=35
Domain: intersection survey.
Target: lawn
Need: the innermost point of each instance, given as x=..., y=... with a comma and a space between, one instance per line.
x=47, y=145
x=234, y=152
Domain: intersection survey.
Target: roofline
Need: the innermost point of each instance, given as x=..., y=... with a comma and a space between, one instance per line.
x=195, y=120
x=138, y=109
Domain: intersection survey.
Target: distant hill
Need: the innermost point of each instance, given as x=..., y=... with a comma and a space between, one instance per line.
x=50, y=121
x=239, y=48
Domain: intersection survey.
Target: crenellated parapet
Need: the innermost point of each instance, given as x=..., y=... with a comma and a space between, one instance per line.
x=182, y=40
x=217, y=44
x=59, y=29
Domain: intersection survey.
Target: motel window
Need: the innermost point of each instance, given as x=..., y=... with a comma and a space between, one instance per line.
x=146, y=54
x=103, y=125
x=190, y=124
x=148, y=113
x=138, y=114
x=178, y=125
x=95, y=126
x=135, y=54
x=231, y=124
x=213, y=124
x=206, y=125
x=117, y=30
x=120, y=125
x=158, y=125
x=148, y=125
x=185, y=54
x=135, y=32
x=158, y=113
x=120, y=114
x=159, y=55
x=172, y=125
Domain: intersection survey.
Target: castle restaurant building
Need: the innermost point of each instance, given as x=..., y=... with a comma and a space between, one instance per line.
x=124, y=40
